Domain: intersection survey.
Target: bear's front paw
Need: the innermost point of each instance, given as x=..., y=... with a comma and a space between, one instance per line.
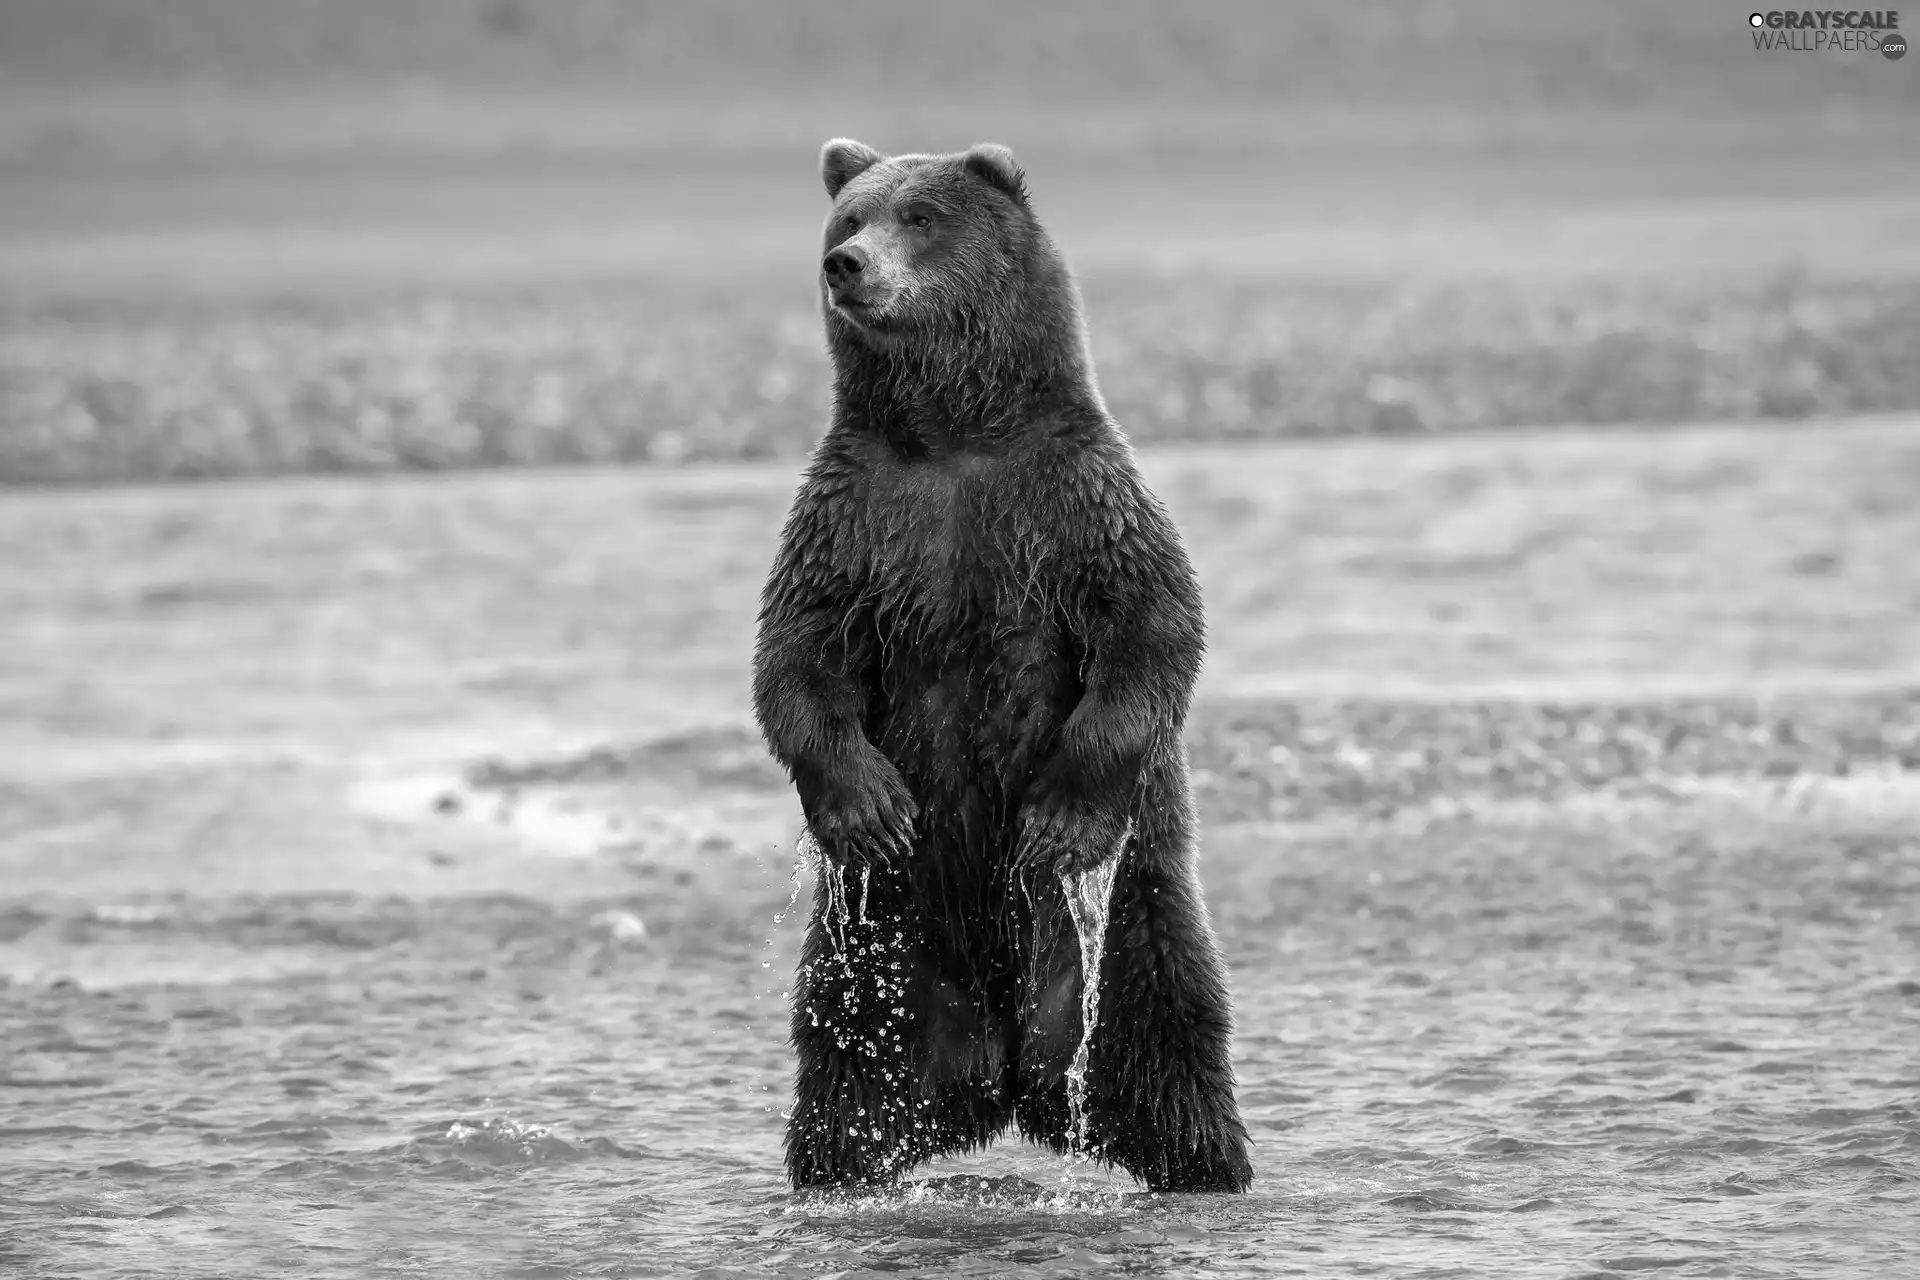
x=1062, y=838
x=867, y=821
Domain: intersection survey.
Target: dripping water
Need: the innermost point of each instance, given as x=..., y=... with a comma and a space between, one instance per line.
x=833, y=878
x=1089, y=894
x=805, y=851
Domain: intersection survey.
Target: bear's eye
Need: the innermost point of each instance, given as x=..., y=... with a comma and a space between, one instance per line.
x=920, y=221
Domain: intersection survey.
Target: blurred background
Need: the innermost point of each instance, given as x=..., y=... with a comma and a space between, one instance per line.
x=399, y=400
x=271, y=235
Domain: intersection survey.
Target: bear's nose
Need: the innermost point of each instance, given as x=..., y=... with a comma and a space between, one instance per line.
x=845, y=263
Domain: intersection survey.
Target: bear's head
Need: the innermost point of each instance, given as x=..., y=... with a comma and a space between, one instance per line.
x=938, y=253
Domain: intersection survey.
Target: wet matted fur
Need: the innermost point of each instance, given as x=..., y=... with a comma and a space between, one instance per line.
x=977, y=646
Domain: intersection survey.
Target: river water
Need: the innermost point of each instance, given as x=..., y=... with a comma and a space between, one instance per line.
x=1681, y=1043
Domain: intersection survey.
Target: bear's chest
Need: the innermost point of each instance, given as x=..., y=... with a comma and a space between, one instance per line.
x=956, y=547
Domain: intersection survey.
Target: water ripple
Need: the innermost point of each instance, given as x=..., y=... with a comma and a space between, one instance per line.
x=1455, y=1059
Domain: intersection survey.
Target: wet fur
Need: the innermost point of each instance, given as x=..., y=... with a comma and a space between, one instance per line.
x=977, y=646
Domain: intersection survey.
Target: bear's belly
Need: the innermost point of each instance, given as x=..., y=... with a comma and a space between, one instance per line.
x=968, y=724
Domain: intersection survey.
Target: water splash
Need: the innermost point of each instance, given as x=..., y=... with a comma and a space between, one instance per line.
x=833, y=878
x=967, y=1201
x=1089, y=894
x=806, y=850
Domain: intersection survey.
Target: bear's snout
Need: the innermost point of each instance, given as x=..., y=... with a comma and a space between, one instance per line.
x=860, y=280
x=845, y=264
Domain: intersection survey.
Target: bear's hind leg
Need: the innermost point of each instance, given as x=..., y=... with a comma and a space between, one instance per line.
x=1160, y=1079
x=895, y=1066
x=1163, y=1053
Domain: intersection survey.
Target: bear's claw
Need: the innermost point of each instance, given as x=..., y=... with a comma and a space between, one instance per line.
x=872, y=825
x=1061, y=839
x=863, y=847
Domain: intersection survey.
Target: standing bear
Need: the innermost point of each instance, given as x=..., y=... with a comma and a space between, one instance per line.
x=977, y=645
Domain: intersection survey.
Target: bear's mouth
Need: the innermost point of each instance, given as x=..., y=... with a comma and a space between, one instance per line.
x=859, y=299
x=860, y=311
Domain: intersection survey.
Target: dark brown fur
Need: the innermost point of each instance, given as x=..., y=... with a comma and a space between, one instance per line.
x=977, y=647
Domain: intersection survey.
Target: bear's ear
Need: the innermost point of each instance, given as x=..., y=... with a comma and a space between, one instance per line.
x=995, y=164
x=843, y=160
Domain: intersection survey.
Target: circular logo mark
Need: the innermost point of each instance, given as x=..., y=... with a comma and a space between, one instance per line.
x=1756, y=19
x=1894, y=46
